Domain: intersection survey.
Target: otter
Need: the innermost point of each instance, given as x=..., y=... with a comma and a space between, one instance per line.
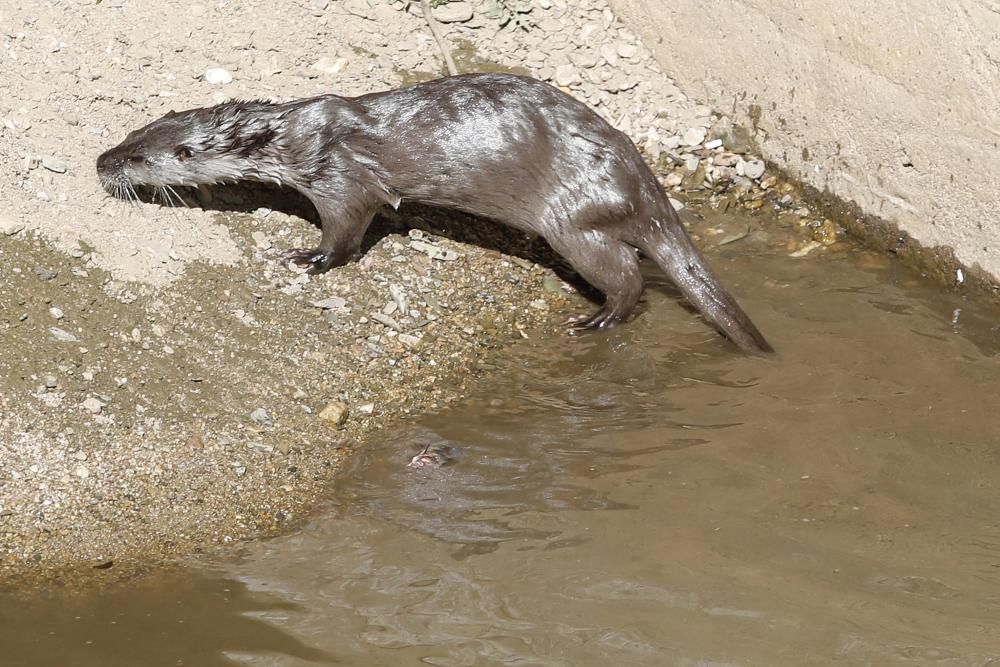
x=501, y=146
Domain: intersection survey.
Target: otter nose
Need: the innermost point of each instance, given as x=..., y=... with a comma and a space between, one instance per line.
x=107, y=163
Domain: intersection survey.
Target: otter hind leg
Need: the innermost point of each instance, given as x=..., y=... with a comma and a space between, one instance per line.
x=608, y=265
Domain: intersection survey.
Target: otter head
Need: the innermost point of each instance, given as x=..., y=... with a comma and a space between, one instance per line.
x=194, y=147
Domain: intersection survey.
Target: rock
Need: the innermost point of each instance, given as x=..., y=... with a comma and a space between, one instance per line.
x=92, y=405
x=694, y=136
x=713, y=144
x=261, y=241
x=626, y=50
x=218, y=76
x=329, y=66
x=566, y=76
x=453, y=12
x=753, y=169
x=332, y=303
x=54, y=164
x=81, y=472
x=335, y=413
x=56, y=313
x=677, y=204
x=62, y=336
x=260, y=416
x=9, y=226
x=51, y=382
x=44, y=273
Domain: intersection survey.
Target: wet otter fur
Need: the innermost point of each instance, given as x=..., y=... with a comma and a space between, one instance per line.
x=501, y=146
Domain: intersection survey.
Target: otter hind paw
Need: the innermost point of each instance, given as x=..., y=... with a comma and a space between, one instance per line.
x=601, y=320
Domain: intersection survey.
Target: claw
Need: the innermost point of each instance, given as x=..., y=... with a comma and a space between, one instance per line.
x=599, y=321
x=318, y=261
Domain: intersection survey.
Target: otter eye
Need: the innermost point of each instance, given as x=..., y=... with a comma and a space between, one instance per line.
x=136, y=159
x=183, y=152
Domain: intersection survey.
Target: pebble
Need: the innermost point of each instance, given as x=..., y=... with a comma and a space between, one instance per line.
x=331, y=303
x=82, y=472
x=44, y=273
x=433, y=251
x=626, y=50
x=261, y=241
x=54, y=164
x=713, y=144
x=56, y=313
x=335, y=413
x=693, y=136
x=62, y=335
x=260, y=416
x=566, y=76
x=329, y=66
x=9, y=226
x=92, y=405
x=753, y=169
x=453, y=12
x=51, y=382
x=218, y=76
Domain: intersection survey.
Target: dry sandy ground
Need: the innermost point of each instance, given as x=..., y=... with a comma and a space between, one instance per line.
x=162, y=370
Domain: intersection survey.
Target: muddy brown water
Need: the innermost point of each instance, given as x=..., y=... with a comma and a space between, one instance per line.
x=647, y=497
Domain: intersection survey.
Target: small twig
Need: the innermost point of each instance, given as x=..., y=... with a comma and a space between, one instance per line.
x=432, y=23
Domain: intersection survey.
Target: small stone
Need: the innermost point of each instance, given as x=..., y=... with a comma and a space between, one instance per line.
x=673, y=179
x=329, y=66
x=81, y=472
x=51, y=382
x=453, y=12
x=218, y=76
x=694, y=136
x=261, y=240
x=626, y=50
x=566, y=76
x=9, y=226
x=713, y=144
x=768, y=182
x=335, y=413
x=56, y=313
x=332, y=303
x=54, y=164
x=44, y=273
x=159, y=331
x=753, y=169
x=409, y=340
x=62, y=336
x=93, y=405
x=677, y=204
x=260, y=416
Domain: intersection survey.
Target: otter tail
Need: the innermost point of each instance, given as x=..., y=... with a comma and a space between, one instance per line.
x=678, y=257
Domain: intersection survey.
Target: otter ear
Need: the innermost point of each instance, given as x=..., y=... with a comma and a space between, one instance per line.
x=183, y=153
x=170, y=113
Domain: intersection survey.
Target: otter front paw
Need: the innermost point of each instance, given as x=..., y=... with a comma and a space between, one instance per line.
x=318, y=261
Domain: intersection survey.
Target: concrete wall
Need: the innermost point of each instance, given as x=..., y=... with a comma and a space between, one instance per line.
x=892, y=105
